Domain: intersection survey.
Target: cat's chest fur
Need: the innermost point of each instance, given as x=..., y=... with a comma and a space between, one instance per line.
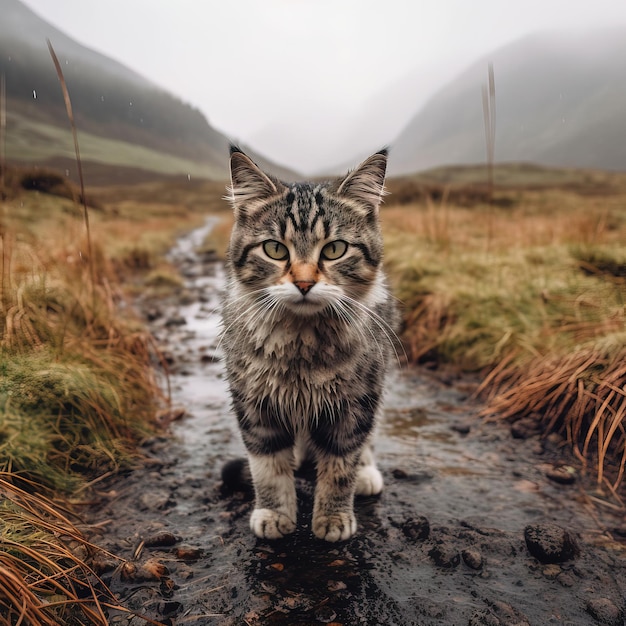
x=305, y=362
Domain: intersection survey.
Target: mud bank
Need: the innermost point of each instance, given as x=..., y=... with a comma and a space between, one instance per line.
x=475, y=526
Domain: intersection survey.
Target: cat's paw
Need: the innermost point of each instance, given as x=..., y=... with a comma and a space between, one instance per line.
x=269, y=524
x=369, y=481
x=335, y=527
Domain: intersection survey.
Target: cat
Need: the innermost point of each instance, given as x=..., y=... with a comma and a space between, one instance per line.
x=308, y=334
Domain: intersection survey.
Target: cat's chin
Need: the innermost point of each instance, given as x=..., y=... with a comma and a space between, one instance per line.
x=304, y=307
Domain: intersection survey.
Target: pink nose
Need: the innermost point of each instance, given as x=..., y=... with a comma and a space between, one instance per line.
x=304, y=286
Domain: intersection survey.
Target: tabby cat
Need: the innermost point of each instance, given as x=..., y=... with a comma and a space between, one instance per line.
x=307, y=336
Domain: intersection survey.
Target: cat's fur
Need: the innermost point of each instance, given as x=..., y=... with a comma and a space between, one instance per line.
x=307, y=338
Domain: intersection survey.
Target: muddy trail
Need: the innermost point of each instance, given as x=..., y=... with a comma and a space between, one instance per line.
x=480, y=523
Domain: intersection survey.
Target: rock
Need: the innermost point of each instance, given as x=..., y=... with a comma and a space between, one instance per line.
x=400, y=474
x=445, y=555
x=161, y=540
x=499, y=614
x=604, y=611
x=175, y=320
x=564, y=475
x=472, y=558
x=416, y=528
x=525, y=428
x=188, y=553
x=462, y=429
x=155, y=500
x=550, y=543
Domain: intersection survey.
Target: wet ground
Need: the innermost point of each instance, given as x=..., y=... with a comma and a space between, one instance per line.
x=479, y=523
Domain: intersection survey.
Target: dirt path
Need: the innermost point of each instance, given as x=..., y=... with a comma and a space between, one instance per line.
x=469, y=530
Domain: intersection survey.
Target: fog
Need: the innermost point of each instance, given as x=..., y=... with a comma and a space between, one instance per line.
x=310, y=83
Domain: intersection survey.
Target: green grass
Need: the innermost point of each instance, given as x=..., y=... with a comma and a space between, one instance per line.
x=505, y=291
x=31, y=141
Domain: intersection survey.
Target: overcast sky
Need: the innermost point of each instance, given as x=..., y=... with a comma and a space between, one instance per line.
x=310, y=82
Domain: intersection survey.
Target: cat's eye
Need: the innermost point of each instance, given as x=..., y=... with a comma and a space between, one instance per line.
x=334, y=250
x=276, y=250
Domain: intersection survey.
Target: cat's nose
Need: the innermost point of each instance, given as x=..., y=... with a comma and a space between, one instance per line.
x=304, y=286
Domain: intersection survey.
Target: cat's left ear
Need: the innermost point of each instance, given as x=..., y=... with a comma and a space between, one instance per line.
x=366, y=184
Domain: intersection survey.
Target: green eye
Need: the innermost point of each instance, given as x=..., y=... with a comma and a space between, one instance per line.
x=276, y=250
x=334, y=250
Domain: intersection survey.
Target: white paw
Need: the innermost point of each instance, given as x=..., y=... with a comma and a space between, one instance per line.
x=369, y=481
x=269, y=524
x=336, y=527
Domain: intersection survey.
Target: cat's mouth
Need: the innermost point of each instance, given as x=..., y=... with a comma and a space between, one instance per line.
x=305, y=305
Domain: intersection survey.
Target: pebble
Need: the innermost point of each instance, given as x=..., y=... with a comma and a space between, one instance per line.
x=605, y=612
x=161, y=539
x=445, y=555
x=550, y=543
x=154, y=500
x=188, y=553
x=472, y=558
x=564, y=475
x=499, y=614
x=416, y=528
x=525, y=428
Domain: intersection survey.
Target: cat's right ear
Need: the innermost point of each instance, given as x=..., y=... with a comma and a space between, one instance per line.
x=248, y=184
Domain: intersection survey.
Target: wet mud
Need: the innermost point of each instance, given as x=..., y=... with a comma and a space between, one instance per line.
x=480, y=523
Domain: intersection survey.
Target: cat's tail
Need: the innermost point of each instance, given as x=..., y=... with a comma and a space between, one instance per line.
x=236, y=476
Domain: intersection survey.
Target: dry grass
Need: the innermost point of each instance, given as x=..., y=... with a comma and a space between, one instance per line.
x=531, y=294
x=78, y=391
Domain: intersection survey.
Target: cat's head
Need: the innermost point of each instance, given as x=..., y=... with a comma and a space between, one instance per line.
x=305, y=246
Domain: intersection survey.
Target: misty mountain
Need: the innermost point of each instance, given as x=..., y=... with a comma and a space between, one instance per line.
x=123, y=119
x=560, y=100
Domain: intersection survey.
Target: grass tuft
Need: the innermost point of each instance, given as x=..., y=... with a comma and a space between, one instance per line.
x=532, y=296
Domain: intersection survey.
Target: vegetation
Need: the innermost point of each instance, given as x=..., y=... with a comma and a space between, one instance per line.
x=530, y=291
x=79, y=383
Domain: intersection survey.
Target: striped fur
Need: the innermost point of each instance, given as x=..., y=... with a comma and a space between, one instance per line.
x=308, y=332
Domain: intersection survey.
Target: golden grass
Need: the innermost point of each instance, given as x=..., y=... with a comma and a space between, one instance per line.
x=532, y=294
x=78, y=391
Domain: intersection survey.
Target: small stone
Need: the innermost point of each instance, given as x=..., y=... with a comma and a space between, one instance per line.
x=472, y=558
x=154, y=500
x=170, y=608
x=499, y=614
x=336, y=585
x=187, y=553
x=525, y=428
x=604, y=611
x=325, y=615
x=445, y=556
x=400, y=474
x=550, y=543
x=462, y=429
x=162, y=539
x=416, y=528
x=564, y=475
x=175, y=320
x=551, y=571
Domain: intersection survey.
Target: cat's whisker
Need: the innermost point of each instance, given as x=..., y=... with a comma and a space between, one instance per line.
x=350, y=311
x=387, y=330
x=255, y=304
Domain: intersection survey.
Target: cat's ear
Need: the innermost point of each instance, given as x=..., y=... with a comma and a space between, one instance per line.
x=248, y=183
x=366, y=184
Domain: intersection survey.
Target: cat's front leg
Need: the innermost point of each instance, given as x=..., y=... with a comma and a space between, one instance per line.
x=275, y=510
x=333, y=510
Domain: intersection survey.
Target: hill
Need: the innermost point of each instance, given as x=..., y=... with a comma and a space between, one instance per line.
x=560, y=101
x=123, y=119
